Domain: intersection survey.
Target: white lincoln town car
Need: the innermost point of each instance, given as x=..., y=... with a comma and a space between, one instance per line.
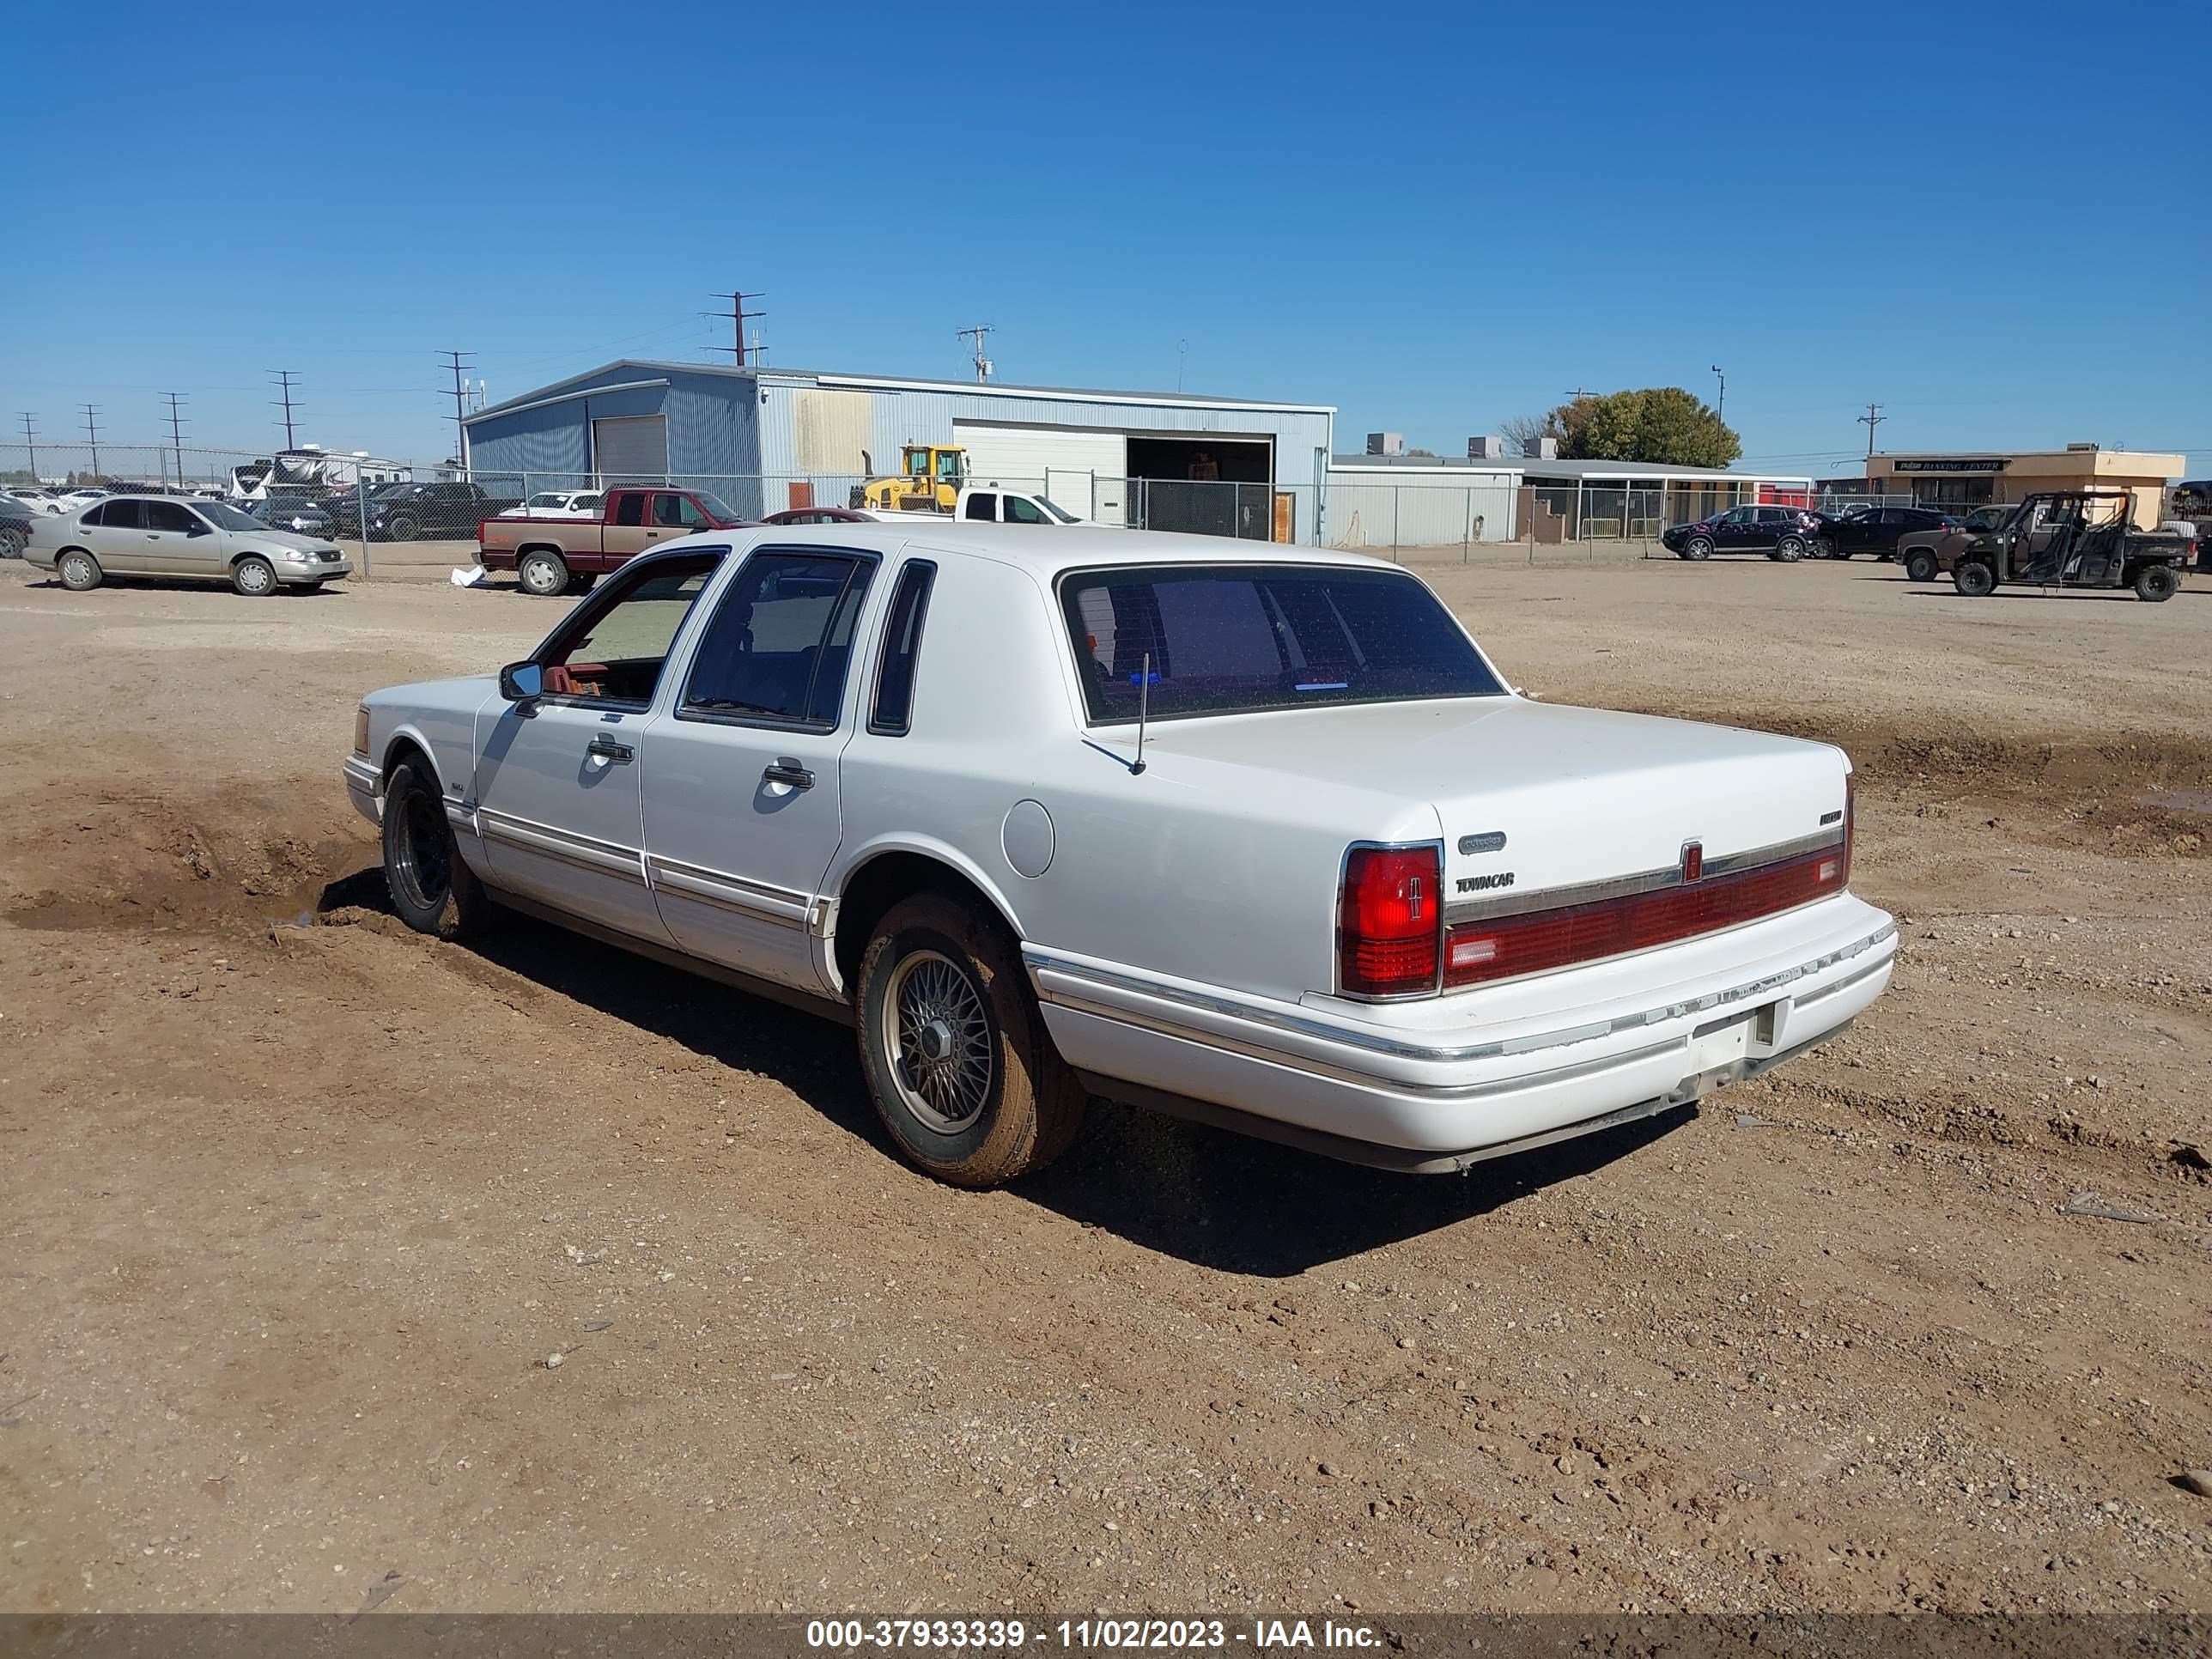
x=1252, y=834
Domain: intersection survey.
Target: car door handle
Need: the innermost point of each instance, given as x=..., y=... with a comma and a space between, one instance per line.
x=607, y=749
x=787, y=770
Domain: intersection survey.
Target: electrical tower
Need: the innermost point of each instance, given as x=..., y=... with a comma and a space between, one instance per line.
x=284, y=402
x=176, y=434
x=737, y=316
x=460, y=407
x=1873, y=418
x=31, y=442
x=983, y=365
x=91, y=436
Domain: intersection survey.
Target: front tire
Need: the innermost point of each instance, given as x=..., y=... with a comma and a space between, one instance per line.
x=2155, y=584
x=1974, y=579
x=79, y=571
x=542, y=573
x=254, y=577
x=1921, y=566
x=432, y=888
x=1697, y=547
x=956, y=1054
x=402, y=529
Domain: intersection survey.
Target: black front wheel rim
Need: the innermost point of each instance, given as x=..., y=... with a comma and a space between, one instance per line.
x=422, y=857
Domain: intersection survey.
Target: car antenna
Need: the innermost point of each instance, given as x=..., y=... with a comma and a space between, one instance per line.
x=1144, y=707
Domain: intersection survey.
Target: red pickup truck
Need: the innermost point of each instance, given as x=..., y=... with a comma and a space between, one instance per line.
x=552, y=556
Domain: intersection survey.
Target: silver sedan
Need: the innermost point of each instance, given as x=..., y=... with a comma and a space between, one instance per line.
x=178, y=536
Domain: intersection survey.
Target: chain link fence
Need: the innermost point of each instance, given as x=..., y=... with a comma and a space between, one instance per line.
x=377, y=502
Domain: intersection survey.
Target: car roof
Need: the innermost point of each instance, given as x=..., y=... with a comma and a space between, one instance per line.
x=1048, y=551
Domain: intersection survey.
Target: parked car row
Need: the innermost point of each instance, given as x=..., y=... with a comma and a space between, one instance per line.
x=1789, y=533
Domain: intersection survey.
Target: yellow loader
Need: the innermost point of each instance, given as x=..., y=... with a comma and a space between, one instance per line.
x=928, y=482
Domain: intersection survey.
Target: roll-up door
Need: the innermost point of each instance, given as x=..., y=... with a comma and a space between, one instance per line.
x=630, y=449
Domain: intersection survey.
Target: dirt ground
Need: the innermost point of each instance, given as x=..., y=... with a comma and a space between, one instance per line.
x=296, y=1207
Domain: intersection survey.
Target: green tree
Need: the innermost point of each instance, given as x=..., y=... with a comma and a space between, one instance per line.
x=1664, y=425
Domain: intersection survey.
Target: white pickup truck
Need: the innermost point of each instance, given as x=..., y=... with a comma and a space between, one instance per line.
x=990, y=503
x=1251, y=834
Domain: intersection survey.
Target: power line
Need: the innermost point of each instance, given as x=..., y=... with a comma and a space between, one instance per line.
x=459, y=415
x=1873, y=418
x=983, y=365
x=30, y=442
x=176, y=434
x=284, y=385
x=92, y=435
x=737, y=316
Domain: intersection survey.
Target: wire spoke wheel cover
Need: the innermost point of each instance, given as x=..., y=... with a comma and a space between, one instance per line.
x=938, y=1040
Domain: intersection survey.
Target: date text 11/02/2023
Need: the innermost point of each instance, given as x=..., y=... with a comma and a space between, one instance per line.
x=1148, y=1635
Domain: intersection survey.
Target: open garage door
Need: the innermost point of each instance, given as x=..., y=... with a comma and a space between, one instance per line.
x=1083, y=472
x=1205, y=485
x=630, y=449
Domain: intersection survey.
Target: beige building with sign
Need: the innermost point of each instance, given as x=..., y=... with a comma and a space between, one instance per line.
x=1966, y=478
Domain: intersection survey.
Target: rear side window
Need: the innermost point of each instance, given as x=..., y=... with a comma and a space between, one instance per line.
x=1229, y=639
x=982, y=506
x=119, y=515
x=781, y=640
x=630, y=509
x=893, y=705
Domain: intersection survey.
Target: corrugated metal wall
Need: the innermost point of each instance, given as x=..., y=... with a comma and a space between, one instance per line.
x=1383, y=507
x=907, y=416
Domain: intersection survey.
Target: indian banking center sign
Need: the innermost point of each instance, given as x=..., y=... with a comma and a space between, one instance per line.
x=1949, y=464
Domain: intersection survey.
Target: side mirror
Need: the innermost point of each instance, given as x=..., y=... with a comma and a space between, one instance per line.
x=522, y=681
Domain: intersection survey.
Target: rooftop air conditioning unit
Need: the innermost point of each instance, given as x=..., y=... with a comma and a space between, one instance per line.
x=1540, y=449
x=1485, y=449
x=1386, y=443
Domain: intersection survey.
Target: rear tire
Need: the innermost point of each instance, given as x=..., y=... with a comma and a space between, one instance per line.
x=1920, y=565
x=79, y=571
x=432, y=888
x=1789, y=548
x=14, y=538
x=1697, y=547
x=542, y=573
x=2155, y=584
x=254, y=577
x=1974, y=579
x=956, y=1054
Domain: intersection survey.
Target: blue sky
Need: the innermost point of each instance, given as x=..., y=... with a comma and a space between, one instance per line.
x=1989, y=218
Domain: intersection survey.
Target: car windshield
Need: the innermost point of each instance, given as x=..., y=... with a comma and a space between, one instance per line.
x=1057, y=511
x=715, y=504
x=227, y=517
x=1231, y=639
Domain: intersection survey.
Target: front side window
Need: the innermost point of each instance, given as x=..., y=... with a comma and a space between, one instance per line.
x=615, y=651
x=630, y=509
x=781, y=640
x=668, y=511
x=1021, y=510
x=948, y=468
x=1229, y=639
x=892, y=709
x=169, y=517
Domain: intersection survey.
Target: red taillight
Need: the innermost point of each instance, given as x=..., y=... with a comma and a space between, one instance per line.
x=1387, y=921
x=1541, y=940
x=1851, y=823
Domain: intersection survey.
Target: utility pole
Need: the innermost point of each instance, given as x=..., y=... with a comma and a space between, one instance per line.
x=176, y=435
x=1873, y=418
x=31, y=443
x=1720, y=408
x=284, y=402
x=737, y=317
x=983, y=364
x=91, y=436
x=460, y=408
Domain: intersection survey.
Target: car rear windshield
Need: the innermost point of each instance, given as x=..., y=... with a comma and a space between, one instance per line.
x=1231, y=638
